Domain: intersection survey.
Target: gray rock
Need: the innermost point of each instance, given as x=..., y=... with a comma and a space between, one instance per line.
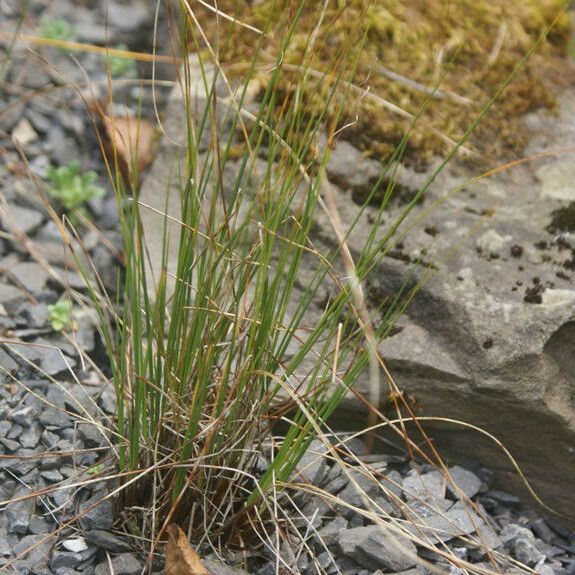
x=542, y=530
x=31, y=276
x=36, y=561
x=46, y=355
x=219, y=568
x=467, y=482
x=18, y=515
x=313, y=464
x=31, y=436
x=107, y=541
x=447, y=525
x=5, y=547
x=38, y=120
x=15, y=431
x=91, y=435
x=52, y=418
x=7, y=362
x=504, y=498
x=526, y=552
x=10, y=444
x=11, y=297
x=26, y=219
x=52, y=475
x=329, y=534
x=36, y=314
x=100, y=517
x=124, y=564
x=39, y=525
x=373, y=549
x=430, y=485
x=130, y=22
x=65, y=559
x=24, y=416
x=35, y=76
x=11, y=114
x=108, y=400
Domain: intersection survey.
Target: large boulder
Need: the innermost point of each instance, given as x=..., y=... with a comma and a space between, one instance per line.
x=489, y=338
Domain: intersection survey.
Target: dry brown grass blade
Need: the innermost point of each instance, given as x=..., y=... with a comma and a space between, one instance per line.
x=181, y=558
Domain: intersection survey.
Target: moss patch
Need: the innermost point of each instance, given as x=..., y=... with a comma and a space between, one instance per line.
x=467, y=47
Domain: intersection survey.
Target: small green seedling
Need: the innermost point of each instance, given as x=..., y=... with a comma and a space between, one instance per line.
x=72, y=188
x=121, y=66
x=60, y=315
x=57, y=29
x=98, y=468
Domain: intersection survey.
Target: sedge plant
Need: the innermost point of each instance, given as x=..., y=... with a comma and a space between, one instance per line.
x=208, y=357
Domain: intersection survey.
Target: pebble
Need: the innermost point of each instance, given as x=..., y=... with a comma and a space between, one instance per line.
x=124, y=564
x=76, y=545
x=467, y=482
x=373, y=549
x=26, y=219
x=100, y=517
x=19, y=514
x=106, y=540
x=23, y=133
x=313, y=466
x=24, y=416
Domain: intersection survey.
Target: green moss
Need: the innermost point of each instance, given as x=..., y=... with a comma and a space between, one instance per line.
x=450, y=43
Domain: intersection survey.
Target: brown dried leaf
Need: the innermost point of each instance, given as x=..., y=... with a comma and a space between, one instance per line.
x=133, y=140
x=181, y=559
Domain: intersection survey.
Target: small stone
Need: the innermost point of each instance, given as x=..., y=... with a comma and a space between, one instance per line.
x=24, y=416
x=10, y=444
x=106, y=540
x=542, y=530
x=100, y=517
x=503, y=498
x=329, y=534
x=26, y=219
x=23, y=132
x=108, y=400
x=36, y=314
x=424, y=486
x=31, y=276
x=373, y=549
x=39, y=121
x=39, y=526
x=11, y=297
x=467, y=482
x=52, y=475
x=5, y=547
x=65, y=560
x=11, y=113
x=76, y=545
x=15, y=431
x=522, y=544
x=219, y=568
x=52, y=418
x=124, y=564
x=36, y=561
x=31, y=436
x=7, y=362
x=447, y=525
x=313, y=464
x=18, y=515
